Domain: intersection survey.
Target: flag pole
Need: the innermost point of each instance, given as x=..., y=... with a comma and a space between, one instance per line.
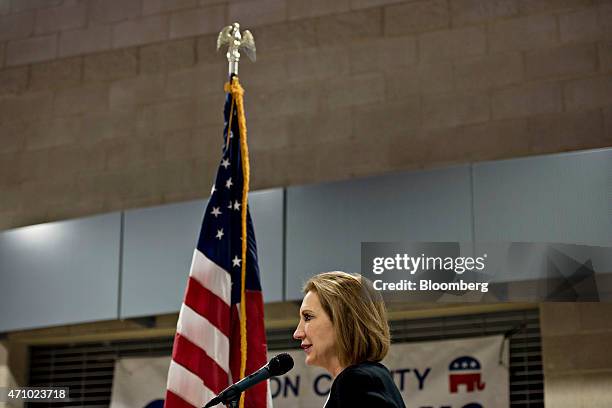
x=236, y=41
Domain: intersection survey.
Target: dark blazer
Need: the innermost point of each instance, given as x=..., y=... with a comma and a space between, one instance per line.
x=365, y=384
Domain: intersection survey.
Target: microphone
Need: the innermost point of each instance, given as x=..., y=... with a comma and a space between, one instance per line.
x=278, y=365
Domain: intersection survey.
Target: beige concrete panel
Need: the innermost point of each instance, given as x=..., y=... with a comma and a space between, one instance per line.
x=449, y=44
x=302, y=34
x=526, y=100
x=65, y=162
x=489, y=72
x=351, y=91
x=16, y=26
x=595, y=316
x=13, y=80
x=34, y=166
x=605, y=19
x=195, y=81
x=588, y=93
x=5, y=7
x=210, y=109
x=111, y=65
x=449, y=110
x=108, y=125
x=572, y=60
x=297, y=9
x=150, y=7
x=28, y=106
x=62, y=73
x=11, y=199
x=270, y=68
x=201, y=21
x=558, y=319
x=66, y=17
x=487, y=141
x=361, y=4
x=466, y=12
x=532, y=7
x=342, y=28
x=206, y=49
x=31, y=50
x=91, y=39
x=167, y=56
x=131, y=153
x=580, y=25
x=416, y=17
x=607, y=112
x=381, y=121
x=579, y=351
x=313, y=129
x=605, y=56
x=55, y=132
x=112, y=11
x=131, y=92
x=13, y=134
x=383, y=54
x=142, y=31
x=22, y=5
x=568, y=131
x=256, y=13
x=172, y=5
x=426, y=79
x=578, y=390
x=525, y=33
x=284, y=99
x=186, y=144
x=267, y=134
x=88, y=98
x=315, y=63
x=165, y=116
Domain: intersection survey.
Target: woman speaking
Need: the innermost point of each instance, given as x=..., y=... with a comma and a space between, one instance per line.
x=343, y=328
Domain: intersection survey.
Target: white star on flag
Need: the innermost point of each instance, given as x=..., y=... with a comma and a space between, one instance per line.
x=220, y=233
x=225, y=163
x=229, y=183
x=216, y=212
x=236, y=261
x=236, y=205
x=213, y=189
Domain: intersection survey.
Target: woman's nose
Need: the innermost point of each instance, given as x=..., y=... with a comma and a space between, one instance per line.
x=298, y=334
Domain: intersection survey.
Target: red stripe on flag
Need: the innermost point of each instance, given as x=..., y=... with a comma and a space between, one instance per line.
x=174, y=401
x=208, y=305
x=198, y=362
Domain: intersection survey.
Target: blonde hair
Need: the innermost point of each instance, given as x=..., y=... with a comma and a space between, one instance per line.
x=358, y=315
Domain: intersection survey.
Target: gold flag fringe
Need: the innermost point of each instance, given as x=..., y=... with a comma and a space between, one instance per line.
x=238, y=101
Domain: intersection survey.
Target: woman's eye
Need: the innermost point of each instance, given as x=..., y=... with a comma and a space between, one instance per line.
x=307, y=317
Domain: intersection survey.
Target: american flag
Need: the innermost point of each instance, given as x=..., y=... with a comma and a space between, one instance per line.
x=207, y=344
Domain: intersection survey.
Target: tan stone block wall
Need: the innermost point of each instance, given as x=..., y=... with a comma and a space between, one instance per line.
x=577, y=359
x=111, y=104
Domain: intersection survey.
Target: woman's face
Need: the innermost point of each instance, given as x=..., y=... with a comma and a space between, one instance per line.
x=316, y=332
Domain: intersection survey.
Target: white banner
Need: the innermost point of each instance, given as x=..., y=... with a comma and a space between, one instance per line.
x=140, y=382
x=467, y=373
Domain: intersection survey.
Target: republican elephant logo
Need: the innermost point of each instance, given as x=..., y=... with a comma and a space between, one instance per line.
x=465, y=371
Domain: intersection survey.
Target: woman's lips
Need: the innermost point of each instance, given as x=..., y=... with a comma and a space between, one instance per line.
x=306, y=347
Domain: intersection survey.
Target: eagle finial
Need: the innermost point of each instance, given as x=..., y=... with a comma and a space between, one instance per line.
x=236, y=41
